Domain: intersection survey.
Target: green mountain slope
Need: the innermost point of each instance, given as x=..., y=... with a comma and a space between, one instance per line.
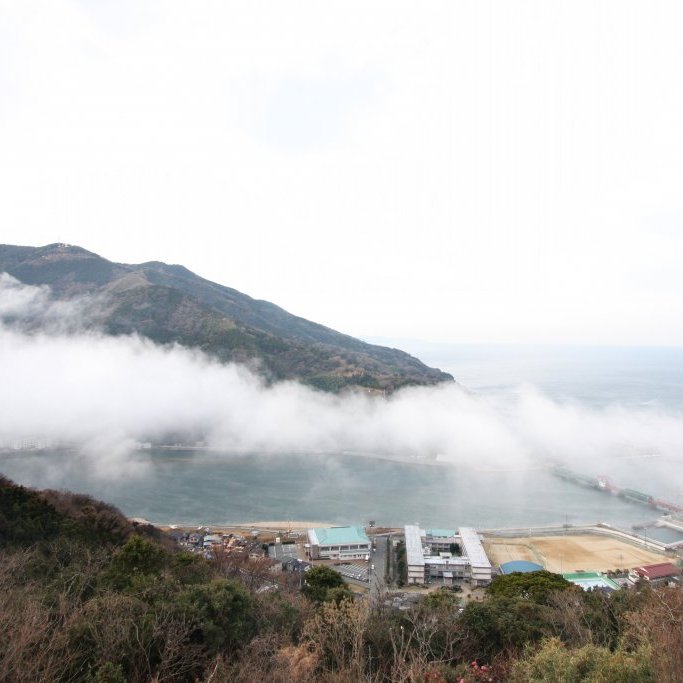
x=168, y=303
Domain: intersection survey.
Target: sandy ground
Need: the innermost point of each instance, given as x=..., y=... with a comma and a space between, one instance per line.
x=278, y=525
x=570, y=553
x=284, y=525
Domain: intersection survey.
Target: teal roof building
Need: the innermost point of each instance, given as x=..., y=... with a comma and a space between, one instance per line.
x=338, y=542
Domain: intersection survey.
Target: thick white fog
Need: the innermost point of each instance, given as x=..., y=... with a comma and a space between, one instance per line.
x=102, y=394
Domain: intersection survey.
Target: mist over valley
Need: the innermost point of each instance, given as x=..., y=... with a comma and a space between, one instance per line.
x=341, y=342
x=97, y=406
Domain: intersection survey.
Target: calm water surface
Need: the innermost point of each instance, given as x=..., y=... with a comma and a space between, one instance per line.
x=214, y=488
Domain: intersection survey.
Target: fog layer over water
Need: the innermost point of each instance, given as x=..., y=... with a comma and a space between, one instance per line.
x=284, y=451
x=214, y=488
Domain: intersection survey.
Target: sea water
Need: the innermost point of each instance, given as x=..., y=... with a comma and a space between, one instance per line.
x=202, y=487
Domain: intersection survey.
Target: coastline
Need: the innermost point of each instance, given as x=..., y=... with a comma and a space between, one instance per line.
x=558, y=549
x=295, y=527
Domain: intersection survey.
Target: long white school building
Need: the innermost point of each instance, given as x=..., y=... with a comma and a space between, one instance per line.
x=428, y=556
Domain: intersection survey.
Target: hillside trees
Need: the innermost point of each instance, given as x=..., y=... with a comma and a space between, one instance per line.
x=658, y=623
x=111, y=603
x=221, y=612
x=533, y=586
x=555, y=663
x=324, y=584
x=25, y=516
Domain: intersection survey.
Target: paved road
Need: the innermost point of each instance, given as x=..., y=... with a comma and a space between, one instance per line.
x=379, y=560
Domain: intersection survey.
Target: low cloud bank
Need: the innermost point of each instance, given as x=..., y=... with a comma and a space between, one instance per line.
x=104, y=393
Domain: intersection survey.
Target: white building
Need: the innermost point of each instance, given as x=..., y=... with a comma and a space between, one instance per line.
x=427, y=561
x=415, y=554
x=480, y=567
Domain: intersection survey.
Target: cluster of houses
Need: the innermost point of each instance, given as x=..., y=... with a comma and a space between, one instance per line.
x=660, y=574
x=207, y=543
x=283, y=556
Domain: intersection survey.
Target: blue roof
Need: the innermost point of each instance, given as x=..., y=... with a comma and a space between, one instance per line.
x=519, y=566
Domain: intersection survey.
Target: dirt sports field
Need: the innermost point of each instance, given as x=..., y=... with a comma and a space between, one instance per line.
x=570, y=553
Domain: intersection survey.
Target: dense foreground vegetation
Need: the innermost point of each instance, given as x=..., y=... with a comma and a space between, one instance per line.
x=87, y=596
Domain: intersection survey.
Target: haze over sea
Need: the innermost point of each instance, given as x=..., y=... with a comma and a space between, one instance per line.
x=196, y=487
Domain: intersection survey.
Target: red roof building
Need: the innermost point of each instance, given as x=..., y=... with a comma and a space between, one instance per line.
x=657, y=572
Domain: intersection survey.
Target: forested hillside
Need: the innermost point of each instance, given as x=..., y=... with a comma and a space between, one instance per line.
x=168, y=303
x=87, y=595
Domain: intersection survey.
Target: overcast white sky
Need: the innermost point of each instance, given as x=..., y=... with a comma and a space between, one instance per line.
x=449, y=171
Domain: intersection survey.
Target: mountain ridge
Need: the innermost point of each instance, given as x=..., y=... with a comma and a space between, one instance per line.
x=168, y=303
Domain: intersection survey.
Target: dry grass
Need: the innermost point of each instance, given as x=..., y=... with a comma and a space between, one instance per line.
x=570, y=553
